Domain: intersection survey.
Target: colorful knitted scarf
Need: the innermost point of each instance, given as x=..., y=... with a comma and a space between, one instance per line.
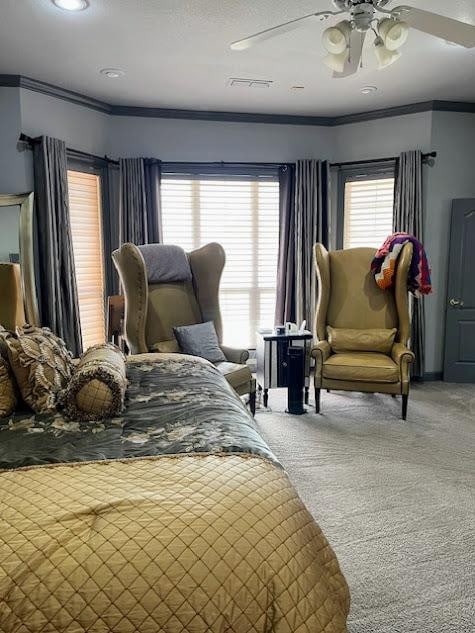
x=384, y=264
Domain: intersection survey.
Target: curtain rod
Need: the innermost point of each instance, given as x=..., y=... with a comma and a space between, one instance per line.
x=223, y=163
x=29, y=141
x=24, y=138
x=390, y=159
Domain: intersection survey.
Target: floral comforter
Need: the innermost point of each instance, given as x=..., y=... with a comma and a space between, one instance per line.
x=176, y=405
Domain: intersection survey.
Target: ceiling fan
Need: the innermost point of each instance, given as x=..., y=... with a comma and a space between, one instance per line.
x=344, y=41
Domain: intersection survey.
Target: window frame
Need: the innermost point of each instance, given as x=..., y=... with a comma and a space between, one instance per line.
x=358, y=171
x=99, y=167
x=254, y=172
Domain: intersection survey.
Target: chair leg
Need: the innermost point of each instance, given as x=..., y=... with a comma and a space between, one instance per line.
x=317, y=400
x=393, y=395
x=252, y=403
x=404, y=406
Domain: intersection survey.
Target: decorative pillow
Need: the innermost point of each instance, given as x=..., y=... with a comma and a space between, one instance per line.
x=97, y=388
x=8, y=398
x=200, y=340
x=345, y=340
x=41, y=365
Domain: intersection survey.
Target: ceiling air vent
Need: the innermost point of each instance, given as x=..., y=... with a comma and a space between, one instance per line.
x=239, y=82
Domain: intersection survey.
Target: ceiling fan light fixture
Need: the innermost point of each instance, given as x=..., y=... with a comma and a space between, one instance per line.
x=72, y=5
x=384, y=56
x=394, y=33
x=337, y=62
x=335, y=39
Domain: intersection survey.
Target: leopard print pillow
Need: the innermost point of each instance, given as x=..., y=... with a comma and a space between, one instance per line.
x=8, y=397
x=41, y=364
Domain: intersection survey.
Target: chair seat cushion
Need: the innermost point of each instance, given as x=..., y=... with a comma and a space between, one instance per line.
x=236, y=375
x=361, y=367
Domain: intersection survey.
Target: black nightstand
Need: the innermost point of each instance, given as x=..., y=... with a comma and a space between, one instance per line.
x=273, y=361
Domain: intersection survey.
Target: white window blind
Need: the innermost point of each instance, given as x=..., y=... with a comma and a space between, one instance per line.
x=368, y=212
x=243, y=216
x=85, y=213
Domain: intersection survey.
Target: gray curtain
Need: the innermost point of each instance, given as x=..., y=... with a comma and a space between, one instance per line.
x=304, y=210
x=57, y=292
x=408, y=218
x=312, y=179
x=285, y=302
x=140, y=200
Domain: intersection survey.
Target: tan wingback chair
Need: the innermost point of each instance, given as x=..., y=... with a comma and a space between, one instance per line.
x=349, y=298
x=12, y=311
x=152, y=310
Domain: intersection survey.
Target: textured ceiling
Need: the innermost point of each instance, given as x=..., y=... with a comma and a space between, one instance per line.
x=175, y=54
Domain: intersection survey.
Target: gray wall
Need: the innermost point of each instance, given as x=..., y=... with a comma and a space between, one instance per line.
x=383, y=137
x=81, y=128
x=180, y=140
x=451, y=134
x=15, y=174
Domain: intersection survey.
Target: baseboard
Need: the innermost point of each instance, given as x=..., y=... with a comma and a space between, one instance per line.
x=429, y=376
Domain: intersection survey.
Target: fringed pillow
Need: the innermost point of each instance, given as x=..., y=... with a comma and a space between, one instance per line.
x=97, y=387
x=41, y=364
x=8, y=396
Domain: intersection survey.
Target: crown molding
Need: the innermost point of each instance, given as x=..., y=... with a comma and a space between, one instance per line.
x=27, y=83
x=212, y=115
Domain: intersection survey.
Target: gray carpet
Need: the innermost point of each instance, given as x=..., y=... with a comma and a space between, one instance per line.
x=395, y=499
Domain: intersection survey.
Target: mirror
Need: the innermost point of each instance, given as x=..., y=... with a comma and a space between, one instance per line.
x=10, y=235
x=16, y=245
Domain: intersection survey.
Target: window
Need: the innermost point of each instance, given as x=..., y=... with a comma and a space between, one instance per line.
x=241, y=214
x=368, y=209
x=85, y=213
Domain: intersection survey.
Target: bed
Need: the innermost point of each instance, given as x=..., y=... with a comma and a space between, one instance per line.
x=174, y=517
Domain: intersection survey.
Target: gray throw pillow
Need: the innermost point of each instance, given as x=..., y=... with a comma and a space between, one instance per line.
x=200, y=340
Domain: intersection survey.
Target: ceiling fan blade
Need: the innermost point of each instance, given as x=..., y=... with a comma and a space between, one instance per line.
x=449, y=29
x=356, y=51
x=241, y=45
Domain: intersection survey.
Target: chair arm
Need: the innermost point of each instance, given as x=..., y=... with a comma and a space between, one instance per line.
x=403, y=357
x=321, y=351
x=234, y=355
x=401, y=354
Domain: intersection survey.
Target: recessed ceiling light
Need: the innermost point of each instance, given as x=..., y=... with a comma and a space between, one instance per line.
x=368, y=90
x=112, y=73
x=71, y=5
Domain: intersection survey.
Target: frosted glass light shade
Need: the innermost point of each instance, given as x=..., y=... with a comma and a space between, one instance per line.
x=337, y=62
x=384, y=56
x=394, y=33
x=71, y=5
x=335, y=39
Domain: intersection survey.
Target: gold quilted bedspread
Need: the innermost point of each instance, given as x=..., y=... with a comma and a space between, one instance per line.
x=210, y=543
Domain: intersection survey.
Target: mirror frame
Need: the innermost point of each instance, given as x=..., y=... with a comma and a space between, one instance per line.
x=27, y=267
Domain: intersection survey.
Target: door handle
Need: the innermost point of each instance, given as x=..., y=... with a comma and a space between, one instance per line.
x=456, y=303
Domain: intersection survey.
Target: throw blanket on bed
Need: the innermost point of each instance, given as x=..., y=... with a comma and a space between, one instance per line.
x=180, y=521
x=384, y=264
